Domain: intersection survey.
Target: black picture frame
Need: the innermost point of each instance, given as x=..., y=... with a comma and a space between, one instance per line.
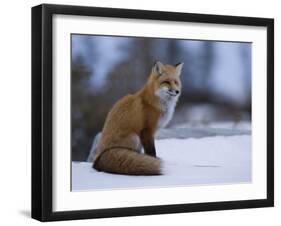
x=42, y=107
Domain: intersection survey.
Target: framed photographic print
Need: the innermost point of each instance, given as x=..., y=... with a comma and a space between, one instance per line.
x=145, y=112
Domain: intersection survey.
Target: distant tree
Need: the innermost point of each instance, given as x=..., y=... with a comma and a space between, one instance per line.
x=247, y=69
x=206, y=67
x=131, y=74
x=197, y=70
x=88, y=111
x=173, y=51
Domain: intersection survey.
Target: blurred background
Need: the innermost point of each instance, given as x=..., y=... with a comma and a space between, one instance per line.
x=216, y=81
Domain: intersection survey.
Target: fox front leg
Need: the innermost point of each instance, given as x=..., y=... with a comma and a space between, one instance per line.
x=147, y=141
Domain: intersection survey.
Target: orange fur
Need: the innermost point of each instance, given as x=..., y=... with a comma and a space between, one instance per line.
x=132, y=122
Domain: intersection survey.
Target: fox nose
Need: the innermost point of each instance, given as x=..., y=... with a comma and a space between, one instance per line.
x=175, y=92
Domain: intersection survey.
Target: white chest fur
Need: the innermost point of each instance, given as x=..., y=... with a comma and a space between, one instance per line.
x=167, y=111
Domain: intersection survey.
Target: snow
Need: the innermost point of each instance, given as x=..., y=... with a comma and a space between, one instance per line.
x=242, y=125
x=186, y=162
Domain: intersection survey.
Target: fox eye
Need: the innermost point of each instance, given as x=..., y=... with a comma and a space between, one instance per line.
x=165, y=83
x=176, y=82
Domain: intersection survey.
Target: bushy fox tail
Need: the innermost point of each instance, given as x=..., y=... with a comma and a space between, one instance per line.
x=123, y=161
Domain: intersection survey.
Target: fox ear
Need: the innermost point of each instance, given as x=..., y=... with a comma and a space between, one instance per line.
x=157, y=68
x=179, y=68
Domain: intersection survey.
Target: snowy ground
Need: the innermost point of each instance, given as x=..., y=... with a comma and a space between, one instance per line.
x=242, y=125
x=209, y=160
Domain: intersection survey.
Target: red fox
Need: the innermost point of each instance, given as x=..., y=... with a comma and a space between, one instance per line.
x=133, y=121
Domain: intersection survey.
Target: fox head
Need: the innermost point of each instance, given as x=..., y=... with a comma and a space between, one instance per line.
x=166, y=80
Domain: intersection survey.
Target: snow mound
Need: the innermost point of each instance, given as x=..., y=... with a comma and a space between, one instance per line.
x=186, y=162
